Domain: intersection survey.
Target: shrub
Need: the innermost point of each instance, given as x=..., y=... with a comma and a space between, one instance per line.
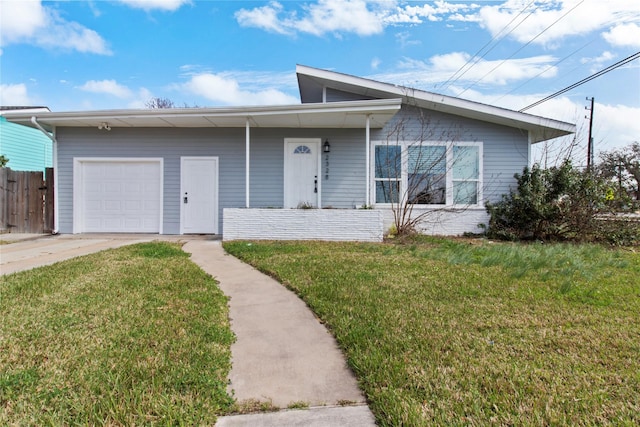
x=559, y=203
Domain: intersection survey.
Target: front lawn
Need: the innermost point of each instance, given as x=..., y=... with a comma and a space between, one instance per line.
x=470, y=332
x=132, y=336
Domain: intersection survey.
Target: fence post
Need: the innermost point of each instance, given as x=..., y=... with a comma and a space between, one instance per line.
x=4, y=200
x=48, y=201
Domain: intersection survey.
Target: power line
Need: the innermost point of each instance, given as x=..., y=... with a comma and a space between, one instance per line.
x=545, y=70
x=525, y=45
x=477, y=58
x=585, y=80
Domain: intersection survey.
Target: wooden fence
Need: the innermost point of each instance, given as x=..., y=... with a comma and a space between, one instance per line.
x=26, y=201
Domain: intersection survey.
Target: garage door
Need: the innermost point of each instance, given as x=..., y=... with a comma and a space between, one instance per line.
x=118, y=196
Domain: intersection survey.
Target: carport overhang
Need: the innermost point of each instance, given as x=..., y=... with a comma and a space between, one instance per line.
x=366, y=115
x=339, y=115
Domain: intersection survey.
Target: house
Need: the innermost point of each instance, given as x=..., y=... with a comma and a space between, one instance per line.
x=242, y=172
x=26, y=148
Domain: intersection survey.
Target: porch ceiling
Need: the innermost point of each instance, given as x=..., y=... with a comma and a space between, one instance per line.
x=350, y=114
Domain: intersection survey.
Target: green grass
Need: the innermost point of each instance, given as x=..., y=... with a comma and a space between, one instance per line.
x=470, y=332
x=132, y=336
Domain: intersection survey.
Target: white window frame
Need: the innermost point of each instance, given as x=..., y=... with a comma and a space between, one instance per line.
x=404, y=175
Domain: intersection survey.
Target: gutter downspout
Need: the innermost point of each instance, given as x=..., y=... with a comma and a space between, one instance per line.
x=247, y=163
x=368, y=161
x=54, y=153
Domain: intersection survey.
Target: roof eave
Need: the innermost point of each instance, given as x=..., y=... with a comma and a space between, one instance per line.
x=540, y=128
x=271, y=116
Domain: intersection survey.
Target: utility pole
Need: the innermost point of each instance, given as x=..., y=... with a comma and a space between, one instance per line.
x=590, y=140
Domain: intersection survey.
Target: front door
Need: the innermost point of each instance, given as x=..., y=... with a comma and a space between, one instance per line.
x=199, y=195
x=301, y=172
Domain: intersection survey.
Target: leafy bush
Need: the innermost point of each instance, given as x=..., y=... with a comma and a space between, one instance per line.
x=560, y=203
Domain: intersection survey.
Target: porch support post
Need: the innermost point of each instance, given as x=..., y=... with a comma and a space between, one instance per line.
x=368, y=162
x=247, y=155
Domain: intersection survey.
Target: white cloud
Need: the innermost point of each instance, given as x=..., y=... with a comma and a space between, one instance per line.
x=342, y=15
x=548, y=21
x=14, y=94
x=606, y=56
x=614, y=126
x=226, y=90
x=143, y=96
x=165, y=5
x=265, y=18
x=437, y=11
x=598, y=62
x=404, y=39
x=539, y=19
x=20, y=19
x=326, y=16
x=109, y=87
x=440, y=68
x=375, y=63
x=118, y=95
x=625, y=35
x=71, y=35
x=31, y=22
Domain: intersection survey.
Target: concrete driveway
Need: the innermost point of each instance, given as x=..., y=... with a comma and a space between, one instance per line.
x=24, y=252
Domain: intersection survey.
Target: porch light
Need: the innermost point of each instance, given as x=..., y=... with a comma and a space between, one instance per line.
x=326, y=147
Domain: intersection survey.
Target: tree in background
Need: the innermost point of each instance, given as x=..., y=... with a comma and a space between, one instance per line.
x=156, y=103
x=622, y=166
x=159, y=103
x=3, y=161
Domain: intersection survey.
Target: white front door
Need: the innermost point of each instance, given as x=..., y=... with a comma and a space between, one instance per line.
x=199, y=195
x=301, y=172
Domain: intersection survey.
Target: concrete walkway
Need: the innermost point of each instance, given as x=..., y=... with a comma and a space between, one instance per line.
x=283, y=354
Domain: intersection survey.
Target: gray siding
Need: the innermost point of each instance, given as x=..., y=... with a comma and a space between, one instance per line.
x=505, y=153
x=169, y=144
x=345, y=186
x=267, y=169
x=334, y=95
x=505, y=149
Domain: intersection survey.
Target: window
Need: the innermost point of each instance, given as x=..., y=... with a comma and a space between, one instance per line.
x=302, y=149
x=428, y=173
x=466, y=174
x=388, y=161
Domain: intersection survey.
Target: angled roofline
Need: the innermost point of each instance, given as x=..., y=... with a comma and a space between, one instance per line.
x=539, y=128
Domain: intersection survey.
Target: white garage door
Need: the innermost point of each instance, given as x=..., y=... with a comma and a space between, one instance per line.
x=118, y=196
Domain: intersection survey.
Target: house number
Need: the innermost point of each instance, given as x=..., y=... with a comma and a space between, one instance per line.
x=326, y=167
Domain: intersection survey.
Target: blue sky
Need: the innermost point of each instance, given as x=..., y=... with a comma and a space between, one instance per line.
x=86, y=55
